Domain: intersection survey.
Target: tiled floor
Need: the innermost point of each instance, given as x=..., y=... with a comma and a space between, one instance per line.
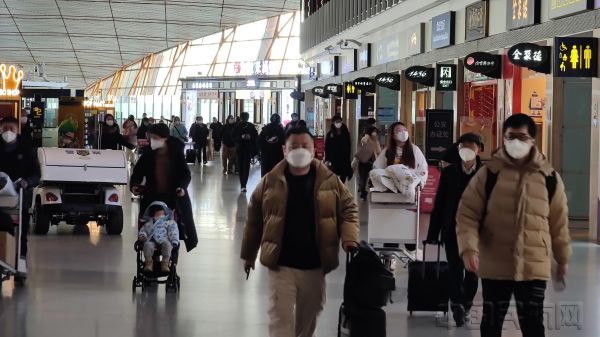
x=80, y=286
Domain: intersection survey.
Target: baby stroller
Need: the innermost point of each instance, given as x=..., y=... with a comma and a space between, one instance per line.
x=143, y=278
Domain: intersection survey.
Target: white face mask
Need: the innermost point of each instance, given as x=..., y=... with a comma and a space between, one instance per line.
x=156, y=143
x=402, y=136
x=517, y=149
x=23, y=120
x=338, y=125
x=374, y=135
x=110, y=122
x=467, y=154
x=299, y=158
x=9, y=136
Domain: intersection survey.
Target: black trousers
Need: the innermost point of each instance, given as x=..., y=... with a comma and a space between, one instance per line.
x=200, y=152
x=217, y=144
x=27, y=200
x=529, y=296
x=243, y=165
x=463, y=283
x=363, y=175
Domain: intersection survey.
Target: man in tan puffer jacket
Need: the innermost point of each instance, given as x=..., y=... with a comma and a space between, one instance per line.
x=510, y=238
x=297, y=216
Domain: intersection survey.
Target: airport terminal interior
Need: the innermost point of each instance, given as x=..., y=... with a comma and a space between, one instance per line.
x=370, y=116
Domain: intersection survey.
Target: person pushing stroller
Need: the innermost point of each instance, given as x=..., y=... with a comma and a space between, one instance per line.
x=158, y=230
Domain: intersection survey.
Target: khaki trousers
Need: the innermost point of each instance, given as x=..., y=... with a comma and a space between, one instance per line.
x=228, y=158
x=297, y=299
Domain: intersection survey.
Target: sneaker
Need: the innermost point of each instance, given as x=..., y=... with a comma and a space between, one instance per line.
x=164, y=265
x=205, y=163
x=244, y=190
x=22, y=267
x=148, y=265
x=458, y=314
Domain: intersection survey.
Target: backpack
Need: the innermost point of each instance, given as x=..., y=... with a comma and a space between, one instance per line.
x=368, y=282
x=492, y=177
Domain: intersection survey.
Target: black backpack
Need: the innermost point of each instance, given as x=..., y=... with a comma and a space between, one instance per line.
x=368, y=283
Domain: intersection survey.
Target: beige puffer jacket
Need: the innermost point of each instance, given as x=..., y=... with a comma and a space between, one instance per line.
x=522, y=229
x=335, y=210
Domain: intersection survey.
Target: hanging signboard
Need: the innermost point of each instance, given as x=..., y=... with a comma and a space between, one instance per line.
x=445, y=77
x=350, y=91
x=365, y=83
x=521, y=13
x=484, y=63
x=530, y=55
x=37, y=122
x=330, y=67
x=476, y=21
x=420, y=74
x=442, y=30
x=297, y=95
x=334, y=89
x=363, y=56
x=561, y=8
x=319, y=91
x=438, y=127
x=11, y=81
x=415, y=43
x=575, y=57
x=388, y=80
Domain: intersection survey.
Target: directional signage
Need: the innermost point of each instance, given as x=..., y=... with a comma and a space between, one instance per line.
x=319, y=91
x=530, y=55
x=365, y=83
x=484, y=63
x=388, y=80
x=439, y=126
x=575, y=57
x=350, y=91
x=442, y=30
x=446, y=77
x=334, y=89
x=522, y=13
x=420, y=74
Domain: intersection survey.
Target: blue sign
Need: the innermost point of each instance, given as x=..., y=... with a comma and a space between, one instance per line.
x=442, y=30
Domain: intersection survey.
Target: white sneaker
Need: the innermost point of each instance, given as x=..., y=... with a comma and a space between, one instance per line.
x=244, y=190
x=22, y=266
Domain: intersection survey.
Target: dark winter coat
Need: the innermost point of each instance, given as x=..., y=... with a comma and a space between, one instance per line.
x=337, y=151
x=21, y=162
x=199, y=134
x=271, y=141
x=216, y=129
x=112, y=138
x=227, y=135
x=241, y=144
x=141, y=132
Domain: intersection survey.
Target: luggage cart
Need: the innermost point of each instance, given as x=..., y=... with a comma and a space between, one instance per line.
x=12, y=205
x=394, y=222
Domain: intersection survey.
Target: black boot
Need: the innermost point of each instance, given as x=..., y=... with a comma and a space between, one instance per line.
x=458, y=312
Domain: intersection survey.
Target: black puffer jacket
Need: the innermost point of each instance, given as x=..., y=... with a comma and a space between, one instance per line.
x=271, y=141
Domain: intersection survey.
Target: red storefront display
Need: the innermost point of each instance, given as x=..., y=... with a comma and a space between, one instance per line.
x=429, y=191
x=319, y=148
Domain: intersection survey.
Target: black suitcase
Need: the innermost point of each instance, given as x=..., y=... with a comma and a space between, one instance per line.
x=428, y=285
x=190, y=156
x=361, y=322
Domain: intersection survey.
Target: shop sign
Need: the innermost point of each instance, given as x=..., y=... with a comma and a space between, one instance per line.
x=388, y=80
x=334, y=89
x=387, y=49
x=575, y=57
x=319, y=91
x=415, y=43
x=446, y=77
x=476, y=21
x=420, y=74
x=530, y=55
x=297, y=95
x=350, y=91
x=522, y=13
x=364, y=83
x=37, y=122
x=439, y=129
x=11, y=81
x=208, y=94
x=442, y=30
x=560, y=8
x=201, y=85
x=363, y=55
x=348, y=62
x=484, y=63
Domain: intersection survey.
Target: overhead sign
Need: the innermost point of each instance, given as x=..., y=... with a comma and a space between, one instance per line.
x=446, y=77
x=420, y=74
x=334, y=89
x=439, y=125
x=388, y=80
x=560, y=8
x=297, y=95
x=329, y=68
x=476, y=21
x=484, y=63
x=575, y=57
x=530, y=55
x=363, y=56
x=442, y=30
x=11, y=81
x=415, y=43
x=350, y=91
x=522, y=13
x=365, y=83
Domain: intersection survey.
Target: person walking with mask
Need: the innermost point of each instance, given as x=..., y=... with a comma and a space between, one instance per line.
x=297, y=217
x=511, y=222
x=228, y=153
x=245, y=137
x=293, y=123
x=453, y=181
x=179, y=131
x=337, y=149
x=199, y=133
x=271, y=142
x=111, y=135
x=130, y=129
x=366, y=154
x=216, y=128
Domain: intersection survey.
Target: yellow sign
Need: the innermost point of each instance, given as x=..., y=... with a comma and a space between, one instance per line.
x=11, y=80
x=519, y=9
x=575, y=57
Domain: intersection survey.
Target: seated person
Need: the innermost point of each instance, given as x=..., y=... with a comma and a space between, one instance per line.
x=158, y=229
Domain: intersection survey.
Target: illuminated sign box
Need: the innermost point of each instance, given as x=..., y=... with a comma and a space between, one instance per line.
x=11, y=81
x=575, y=57
x=522, y=13
x=561, y=8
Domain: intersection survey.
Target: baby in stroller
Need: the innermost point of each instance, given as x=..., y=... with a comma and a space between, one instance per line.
x=158, y=230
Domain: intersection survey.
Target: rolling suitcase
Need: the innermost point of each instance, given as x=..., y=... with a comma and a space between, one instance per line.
x=428, y=285
x=361, y=322
x=190, y=156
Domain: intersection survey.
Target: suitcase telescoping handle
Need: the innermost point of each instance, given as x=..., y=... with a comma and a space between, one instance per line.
x=437, y=270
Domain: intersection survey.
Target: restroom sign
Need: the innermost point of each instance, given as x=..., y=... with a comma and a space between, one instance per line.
x=576, y=57
x=350, y=91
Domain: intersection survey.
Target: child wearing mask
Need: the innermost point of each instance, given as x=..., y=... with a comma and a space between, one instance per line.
x=158, y=230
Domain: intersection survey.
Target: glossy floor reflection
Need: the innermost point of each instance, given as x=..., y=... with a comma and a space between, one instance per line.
x=80, y=285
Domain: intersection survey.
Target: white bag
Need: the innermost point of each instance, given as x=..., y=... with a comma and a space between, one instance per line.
x=382, y=182
x=8, y=190
x=405, y=179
